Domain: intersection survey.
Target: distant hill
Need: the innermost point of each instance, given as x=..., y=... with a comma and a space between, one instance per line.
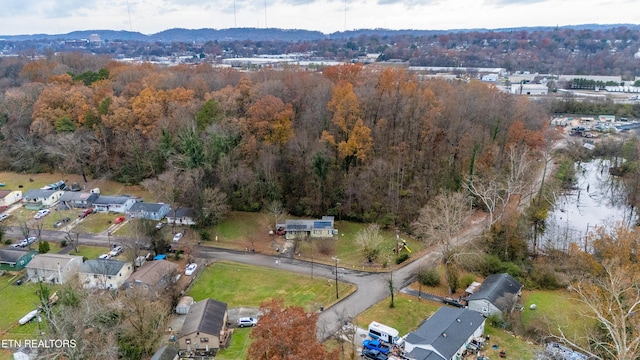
x=260, y=34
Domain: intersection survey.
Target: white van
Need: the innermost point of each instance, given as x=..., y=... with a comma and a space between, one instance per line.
x=385, y=333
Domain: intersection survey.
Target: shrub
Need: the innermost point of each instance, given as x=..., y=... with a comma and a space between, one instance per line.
x=467, y=280
x=63, y=243
x=204, y=235
x=43, y=247
x=429, y=277
x=325, y=247
x=402, y=258
x=7, y=242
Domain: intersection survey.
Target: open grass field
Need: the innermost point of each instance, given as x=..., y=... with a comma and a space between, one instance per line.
x=90, y=252
x=238, y=346
x=94, y=223
x=246, y=285
x=16, y=302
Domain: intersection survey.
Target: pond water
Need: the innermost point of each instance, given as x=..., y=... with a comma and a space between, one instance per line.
x=597, y=200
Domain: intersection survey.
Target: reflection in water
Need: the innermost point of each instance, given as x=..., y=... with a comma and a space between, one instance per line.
x=598, y=199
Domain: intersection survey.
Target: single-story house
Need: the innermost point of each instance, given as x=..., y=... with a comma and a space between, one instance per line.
x=80, y=199
x=53, y=268
x=205, y=328
x=37, y=199
x=104, y=273
x=149, y=211
x=498, y=293
x=119, y=204
x=15, y=259
x=446, y=335
x=153, y=275
x=10, y=197
x=182, y=216
x=322, y=228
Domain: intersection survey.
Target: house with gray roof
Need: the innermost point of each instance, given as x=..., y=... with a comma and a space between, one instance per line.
x=182, y=216
x=104, y=273
x=446, y=335
x=300, y=229
x=118, y=204
x=36, y=199
x=498, y=293
x=149, y=211
x=205, y=328
x=53, y=268
x=81, y=199
x=15, y=259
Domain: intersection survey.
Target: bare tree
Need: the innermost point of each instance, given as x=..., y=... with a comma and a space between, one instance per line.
x=369, y=240
x=73, y=239
x=276, y=208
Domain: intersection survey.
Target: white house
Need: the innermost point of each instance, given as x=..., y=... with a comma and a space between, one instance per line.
x=37, y=199
x=53, y=268
x=104, y=273
x=498, y=293
x=118, y=204
x=446, y=335
x=10, y=197
x=529, y=89
x=182, y=216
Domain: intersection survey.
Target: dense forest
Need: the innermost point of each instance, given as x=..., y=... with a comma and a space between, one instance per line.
x=365, y=143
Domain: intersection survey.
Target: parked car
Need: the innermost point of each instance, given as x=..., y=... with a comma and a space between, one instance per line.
x=119, y=220
x=16, y=245
x=177, y=237
x=452, y=302
x=247, y=321
x=42, y=213
x=373, y=354
x=28, y=241
x=191, y=268
x=3, y=217
x=85, y=213
x=117, y=250
x=376, y=345
x=61, y=222
x=104, y=256
x=159, y=225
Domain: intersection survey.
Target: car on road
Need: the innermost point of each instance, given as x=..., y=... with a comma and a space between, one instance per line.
x=177, y=237
x=191, y=268
x=246, y=321
x=85, y=213
x=119, y=220
x=28, y=241
x=373, y=354
x=42, y=213
x=61, y=222
x=159, y=225
x=117, y=250
x=3, y=217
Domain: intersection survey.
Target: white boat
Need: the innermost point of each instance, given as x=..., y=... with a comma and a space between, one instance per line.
x=25, y=319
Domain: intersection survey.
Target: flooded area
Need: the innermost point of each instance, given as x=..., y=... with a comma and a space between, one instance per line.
x=597, y=199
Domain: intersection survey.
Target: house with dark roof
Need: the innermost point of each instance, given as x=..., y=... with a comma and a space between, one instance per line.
x=15, y=259
x=205, y=328
x=118, y=204
x=446, y=335
x=9, y=197
x=37, y=199
x=154, y=275
x=300, y=229
x=149, y=211
x=182, y=216
x=498, y=293
x=104, y=273
x=81, y=199
x=53, y=268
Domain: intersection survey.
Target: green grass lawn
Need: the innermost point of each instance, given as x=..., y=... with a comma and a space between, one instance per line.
x=405, y=316
x=246, y=285
x=238, y=346
x=90, y=252
x=16, y=302
x=95, y=223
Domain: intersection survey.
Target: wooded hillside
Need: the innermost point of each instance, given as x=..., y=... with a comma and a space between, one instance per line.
x=364, y=143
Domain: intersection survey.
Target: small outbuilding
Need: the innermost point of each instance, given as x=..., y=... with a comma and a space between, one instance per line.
x=498, y=293
x=184, y=304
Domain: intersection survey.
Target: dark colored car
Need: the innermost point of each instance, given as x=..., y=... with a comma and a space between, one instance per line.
x=373, y=354
x=61, y=222
x=452, y=302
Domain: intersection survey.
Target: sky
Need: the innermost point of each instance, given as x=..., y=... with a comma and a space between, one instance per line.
x=22, y=17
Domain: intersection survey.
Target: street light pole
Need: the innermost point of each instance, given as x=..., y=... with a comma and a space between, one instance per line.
x=336, y=259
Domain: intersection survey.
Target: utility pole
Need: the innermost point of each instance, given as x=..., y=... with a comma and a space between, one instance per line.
x=336, y=259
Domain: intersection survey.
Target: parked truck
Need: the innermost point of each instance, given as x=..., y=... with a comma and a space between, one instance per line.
x=376, y=345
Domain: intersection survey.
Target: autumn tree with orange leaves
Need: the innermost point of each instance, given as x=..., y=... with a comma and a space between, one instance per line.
x=286, y=333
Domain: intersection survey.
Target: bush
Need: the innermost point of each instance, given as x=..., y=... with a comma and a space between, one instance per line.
x=467, y=280
x=402, y=258
x=43, y=247
x=429, y=277
x=204, y=235
x=63, y=243
x=7, y=242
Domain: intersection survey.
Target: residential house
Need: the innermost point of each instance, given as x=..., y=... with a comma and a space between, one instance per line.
x=205, y=329
x=9, y=197
x=37, y=199
x=153, y=275
x=149, y=211
x=447, y=335
x=15, y=259
x=104, y=273
x=182, y=216
x=118, y=204
x=322, y=228
x=82, y=200
x=53, y=268
x=498, y=293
